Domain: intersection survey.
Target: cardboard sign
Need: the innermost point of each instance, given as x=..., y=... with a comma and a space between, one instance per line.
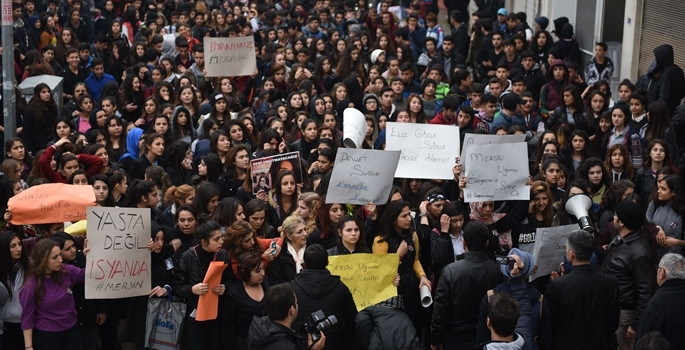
x=368, y=276
x=483, y=139
x=51, y=203
x=428, y=151
x=361, y=176
x=118, y=264
x=496, y=172
x=230, y=56
x=550, y=248
x=265, y=170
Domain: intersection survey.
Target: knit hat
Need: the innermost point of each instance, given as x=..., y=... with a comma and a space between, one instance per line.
x=371, y=96
x=213, y=98
x=542, y=21
x=527, y=260
x=630, y=214
x=375, y=54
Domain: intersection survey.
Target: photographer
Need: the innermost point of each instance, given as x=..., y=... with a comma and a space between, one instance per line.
x=274, y=332
x=316, y=289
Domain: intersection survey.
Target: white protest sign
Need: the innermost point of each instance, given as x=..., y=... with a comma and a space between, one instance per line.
x=550, y=248
x=361, y=176
x=483, y=139
x=495, y=172
x=428, y=151
x=230, y=56
x=118, y=264
x=354, y=128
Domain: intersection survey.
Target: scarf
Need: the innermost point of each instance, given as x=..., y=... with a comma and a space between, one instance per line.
x=297, y=256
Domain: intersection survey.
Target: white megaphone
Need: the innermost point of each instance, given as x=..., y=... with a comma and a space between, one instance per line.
x=578, y=206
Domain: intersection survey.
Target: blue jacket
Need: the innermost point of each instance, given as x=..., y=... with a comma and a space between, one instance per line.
x=95, y=85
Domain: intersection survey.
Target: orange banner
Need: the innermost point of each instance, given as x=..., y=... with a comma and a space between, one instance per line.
x=51, y=203
x=208, y=303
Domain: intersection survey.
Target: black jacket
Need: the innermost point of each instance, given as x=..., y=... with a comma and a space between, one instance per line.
x=457, y=300
x=630, y=261
x=583, y=302
x=672, y=81
x=265, y=334
x=238, y=311
x=664, y=313
x=189, y=271
x=383, y=327
x=282, y=269
x=317, y=289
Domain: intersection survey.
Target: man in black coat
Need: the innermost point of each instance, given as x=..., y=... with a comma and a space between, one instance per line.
x=582, y=305
x=317, y=289
x=664, y=312
x=629, y=259
x=462, y=286
x=672, y=81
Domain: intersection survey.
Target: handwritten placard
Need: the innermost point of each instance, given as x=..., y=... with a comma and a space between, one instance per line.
x=550, y=248
x=361, y=176
x=483, y=139
x=265, y=170
x=428, y=151
x=354, y=128
x=496, y=172
x=118, y=264
x=368, y=276
x=230, y=56
x=51, y=203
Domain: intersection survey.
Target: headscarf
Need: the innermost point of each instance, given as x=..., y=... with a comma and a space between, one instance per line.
x=476, y=214
x=527, y=260
x=132, y=144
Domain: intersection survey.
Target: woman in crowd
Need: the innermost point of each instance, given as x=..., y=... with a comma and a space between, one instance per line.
x=206, y=200
x=14, y=268
x=308, y=208
x=38, y=118
x=350, y=237
x=657, y=157
x=49, y=317
x=283, y=197
x=328, y=219
x=240, y=239
x=151, y=154
x=596, y=174
x=618, y=163
x=236, y=182
x=187, y=283
x=666, y=213
x=289, y=262
x=256, y=212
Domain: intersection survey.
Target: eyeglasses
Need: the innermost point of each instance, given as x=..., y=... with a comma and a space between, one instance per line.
x=526, y=101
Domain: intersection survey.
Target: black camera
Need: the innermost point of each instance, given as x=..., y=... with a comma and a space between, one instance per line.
x=318, y=322
x=505, y=260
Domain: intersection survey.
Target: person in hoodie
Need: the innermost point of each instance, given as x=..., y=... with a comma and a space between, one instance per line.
x=273, y=331
x=526, y=295
x=551, y=95
x=567, y=44
x=672, y=82
x=316, y=289
x=504, y=315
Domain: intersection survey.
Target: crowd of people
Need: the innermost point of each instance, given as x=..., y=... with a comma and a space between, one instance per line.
x=140, y=121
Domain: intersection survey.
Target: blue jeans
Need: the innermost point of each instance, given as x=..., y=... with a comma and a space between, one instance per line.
x=64, y=340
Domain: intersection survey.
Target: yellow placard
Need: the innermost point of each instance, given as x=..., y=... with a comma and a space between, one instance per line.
x=368, y=276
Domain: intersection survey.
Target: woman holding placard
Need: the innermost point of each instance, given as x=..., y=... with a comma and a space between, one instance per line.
x=187, y=282
x=398, y=236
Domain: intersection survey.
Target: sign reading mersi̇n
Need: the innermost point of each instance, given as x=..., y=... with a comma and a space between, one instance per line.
x=230, y=56
x=118, y=264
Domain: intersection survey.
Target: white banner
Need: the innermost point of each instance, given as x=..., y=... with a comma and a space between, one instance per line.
x=118, y=264
x=483, y=139
x=428, y=151
x=550, y=248
x=361, y=176
x=495, y=172
x=230, y=56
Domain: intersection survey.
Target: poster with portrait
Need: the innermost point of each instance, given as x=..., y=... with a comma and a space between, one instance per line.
x=265, y=170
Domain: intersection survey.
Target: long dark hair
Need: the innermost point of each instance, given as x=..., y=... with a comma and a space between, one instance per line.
x=7, y=263
x=675, y=184
x=43, y=112
x=390, y=214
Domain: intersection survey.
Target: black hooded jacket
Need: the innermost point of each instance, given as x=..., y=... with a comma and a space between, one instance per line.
x=672, y=81
x=317, y=289
x=265, y=334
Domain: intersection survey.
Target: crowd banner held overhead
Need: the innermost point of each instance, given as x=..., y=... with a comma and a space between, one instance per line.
x=208, y=303
x=496, y=172
x=118, y=264
x=230, y=56
x=50, y=203
x=481, y=139
x=361, y=176
x=550, y=248
x=354, y=128
x=428, y=151
x=265, y=170
x=368, y=276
